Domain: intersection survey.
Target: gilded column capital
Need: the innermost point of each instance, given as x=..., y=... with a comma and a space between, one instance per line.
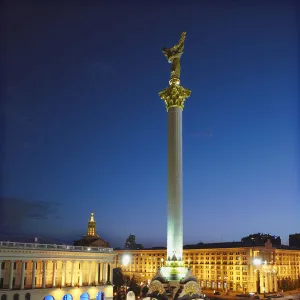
x=174, y=95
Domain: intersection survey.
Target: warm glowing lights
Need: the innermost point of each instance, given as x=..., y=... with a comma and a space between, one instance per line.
x=125, y=259
x=257, y=261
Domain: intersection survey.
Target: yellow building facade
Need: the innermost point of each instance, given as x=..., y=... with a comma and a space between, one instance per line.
x=239, y=269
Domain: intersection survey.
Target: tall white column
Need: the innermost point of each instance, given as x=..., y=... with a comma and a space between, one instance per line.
x=271, y=282
x=90, y=273
x=54, y=274
x=22, y=275
x=266, y=282
x=101, y=272
x=105, y=269
x=63, y=274
x=174, y=230
x=11, y=274
x=33, y=274
x=72, y=274
x=275, y=282
x=96, y=272
x=111, y=273
x=44, y=275
x=261, y=280
x=80, y=273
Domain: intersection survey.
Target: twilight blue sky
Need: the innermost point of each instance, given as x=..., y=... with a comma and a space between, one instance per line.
x=85, y=130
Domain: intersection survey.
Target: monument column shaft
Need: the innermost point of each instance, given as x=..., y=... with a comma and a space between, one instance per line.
x=174, y=230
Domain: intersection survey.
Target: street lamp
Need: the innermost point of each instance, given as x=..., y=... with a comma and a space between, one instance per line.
x=257, y=261
x=125, y=261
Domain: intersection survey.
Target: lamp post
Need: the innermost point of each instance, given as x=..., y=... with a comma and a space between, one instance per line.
x=126, y=261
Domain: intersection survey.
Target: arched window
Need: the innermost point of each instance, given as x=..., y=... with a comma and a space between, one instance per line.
x=27, y=296
x=85, y=296
x=16, y=297
x=3, y=297
x=67, y=297
x=49, y=297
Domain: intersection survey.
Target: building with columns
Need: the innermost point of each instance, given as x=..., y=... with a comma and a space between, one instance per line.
x=222, y=266
x=38, y=270
x=33, y=271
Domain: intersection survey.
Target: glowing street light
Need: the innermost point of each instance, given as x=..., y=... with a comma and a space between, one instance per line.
x=125, y=259
x=257, y=261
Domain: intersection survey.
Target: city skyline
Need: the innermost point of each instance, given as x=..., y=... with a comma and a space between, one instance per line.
x=85, y=129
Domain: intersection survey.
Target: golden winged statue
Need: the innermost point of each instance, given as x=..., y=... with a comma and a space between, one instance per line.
x=173, y=56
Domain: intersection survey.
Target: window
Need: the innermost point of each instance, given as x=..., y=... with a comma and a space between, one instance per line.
x=3, y=297
x=16, y=297
x=27, y=296
x=3, y=267
x=15, y=265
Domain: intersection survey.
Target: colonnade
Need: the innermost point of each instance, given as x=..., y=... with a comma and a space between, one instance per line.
x=267, y=281
x=102, y=271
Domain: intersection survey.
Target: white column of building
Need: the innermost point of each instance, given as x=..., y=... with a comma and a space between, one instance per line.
x=33, y=274
x=96, y=273
x=72, y=273
x=54, y=274
x=261, y=280
x=271, y=282
x=44, y=275
x=63, y=274
x=104, y=273
x=22, y=275
x=11, y=274
x=174, y=235
x=80, y=273
x=275, y=282
x=266, y=282
x=111, y=273
x=101, y=272
x=90, y=273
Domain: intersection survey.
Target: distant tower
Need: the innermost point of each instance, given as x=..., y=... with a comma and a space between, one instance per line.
x=130, y=241
x=92, y=226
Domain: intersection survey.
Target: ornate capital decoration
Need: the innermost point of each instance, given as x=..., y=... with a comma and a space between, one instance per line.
x=174, y=95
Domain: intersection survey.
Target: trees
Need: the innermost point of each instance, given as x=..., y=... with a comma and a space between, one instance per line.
x=288, y=284
x=133, y=286
x=144, y=291
x=118, y=278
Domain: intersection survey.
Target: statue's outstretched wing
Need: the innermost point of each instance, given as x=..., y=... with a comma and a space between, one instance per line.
x=178, y=48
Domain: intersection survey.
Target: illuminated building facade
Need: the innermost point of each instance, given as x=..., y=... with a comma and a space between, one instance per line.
x=222, y=266
x=34, y=271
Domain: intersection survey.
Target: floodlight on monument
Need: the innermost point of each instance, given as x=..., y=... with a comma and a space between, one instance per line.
x=125, y=259
x=257, y=261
